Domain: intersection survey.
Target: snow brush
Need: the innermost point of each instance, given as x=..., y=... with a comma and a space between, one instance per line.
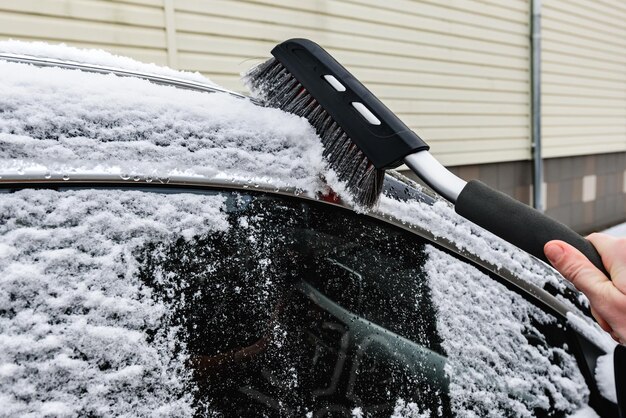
x=362, y=138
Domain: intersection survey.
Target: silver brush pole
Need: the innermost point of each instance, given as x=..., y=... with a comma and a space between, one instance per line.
x=435, y=175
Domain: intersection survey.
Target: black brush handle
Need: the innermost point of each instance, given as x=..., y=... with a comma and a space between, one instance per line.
x=518, y=223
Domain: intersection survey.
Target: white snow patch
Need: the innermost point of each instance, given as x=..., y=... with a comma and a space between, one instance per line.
x=605, y=377
x=357, y=413
x=95, y=57
x=57, y=409
x=404, y=409
x=63, y=122
x=494, y=370
x=585, y=412
x=592, y=331
x=74, y=315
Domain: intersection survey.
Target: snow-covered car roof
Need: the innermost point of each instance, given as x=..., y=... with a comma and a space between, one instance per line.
x=95, y=126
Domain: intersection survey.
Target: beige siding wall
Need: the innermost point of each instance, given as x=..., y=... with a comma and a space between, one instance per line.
x=131, y=27
x=455, y=70
x=584, y=77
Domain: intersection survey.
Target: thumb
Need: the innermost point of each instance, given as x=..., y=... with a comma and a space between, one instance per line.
x=575, y=267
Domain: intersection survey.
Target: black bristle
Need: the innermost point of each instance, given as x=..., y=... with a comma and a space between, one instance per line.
x=272, y=83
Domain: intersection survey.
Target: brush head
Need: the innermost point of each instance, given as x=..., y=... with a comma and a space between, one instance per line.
x=274, y=85
x=361, y=136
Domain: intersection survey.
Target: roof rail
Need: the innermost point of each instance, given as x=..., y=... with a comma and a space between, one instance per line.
x=102, y=69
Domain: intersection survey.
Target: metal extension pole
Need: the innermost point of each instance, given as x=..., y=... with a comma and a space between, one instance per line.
x=535, y=93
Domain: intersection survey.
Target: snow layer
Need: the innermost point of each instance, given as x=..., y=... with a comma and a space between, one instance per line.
x=443, y=222
x=63, y=121
x=494, y=370
x=95, y=57
x=74, y=318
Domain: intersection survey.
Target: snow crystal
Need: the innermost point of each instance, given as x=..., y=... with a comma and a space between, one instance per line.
x=357, y=413
x=95, y=57
x=63, y=121
x=494, y=371
x=74, y=317
x=404, y=409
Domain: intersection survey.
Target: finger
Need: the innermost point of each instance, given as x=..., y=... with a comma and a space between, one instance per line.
x=613, y=253
x=601, y=321
x=575, y=267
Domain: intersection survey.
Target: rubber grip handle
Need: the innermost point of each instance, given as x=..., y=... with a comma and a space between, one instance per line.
x=518, y=223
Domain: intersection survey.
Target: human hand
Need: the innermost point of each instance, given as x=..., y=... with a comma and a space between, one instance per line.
x=607, y=297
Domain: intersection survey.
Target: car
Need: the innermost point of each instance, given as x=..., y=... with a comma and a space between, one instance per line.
x=172, y=248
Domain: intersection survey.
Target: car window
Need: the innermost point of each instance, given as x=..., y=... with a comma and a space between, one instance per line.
x=306, y=309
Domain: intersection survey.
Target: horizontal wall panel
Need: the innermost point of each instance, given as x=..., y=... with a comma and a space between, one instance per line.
x=613, y=9
x=456, y=159
x=475, y=133
x=65, y=29
x=467, y=12
x=445, y=94
x=589, y=120
x=356, y=18
x=601, y=58
x=424, y=107
x=468, y=121
x=590, y=132
x=89, y=10
x=368, y=75
x=443, y=9
x=565, y=110
x=580, y=41
x=593, y=34
x=362, y=39
x=611, y=140
x=202, y=62
x=583, y=77
x=153, y=3
x=584, y=149
x=582, y=92
x=560, y=65
x=487, y=145
x=571, y=21
x=558, y=100
x=427, y=60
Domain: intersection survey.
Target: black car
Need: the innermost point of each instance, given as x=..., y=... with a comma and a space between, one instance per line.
x=170, y=248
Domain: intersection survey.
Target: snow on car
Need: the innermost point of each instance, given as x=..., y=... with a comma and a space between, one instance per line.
x=169, y=248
